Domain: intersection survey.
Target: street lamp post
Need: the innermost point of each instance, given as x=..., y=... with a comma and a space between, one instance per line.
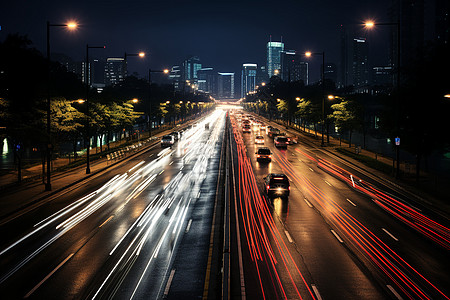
x=87, y=79
x=150, y=71
x=370, y=25
x=71, y=26
x=309, y=54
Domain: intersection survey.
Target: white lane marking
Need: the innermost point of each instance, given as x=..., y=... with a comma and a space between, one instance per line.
x=161, y=172
x=351, y=202
x=390, y=234
x=288, y=236
x=307, y=202
x=394, y=292
x=171, y=163
x=169, y=282
x=316, y=292
x=337, y=236
x=311, y=169
x=327, y=183
x=48, y=276
x=188, y=226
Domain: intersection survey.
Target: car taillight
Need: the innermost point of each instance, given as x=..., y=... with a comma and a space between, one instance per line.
x=267, y=186
x=289, y=188
x=270, y=156
x=258, y=155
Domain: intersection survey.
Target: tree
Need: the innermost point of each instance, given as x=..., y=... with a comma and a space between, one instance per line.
x=346, y=117
x=66, y=121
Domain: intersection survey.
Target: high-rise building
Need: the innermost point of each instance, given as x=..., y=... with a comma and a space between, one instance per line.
x=274, y=57
x=442, y=21
x=68, y=63
x=225, y=85
x=175, y=77
x=360, y=67
x=261, y=75
x=381, y=79
x=115, y=70
x=206, y=80
x=292, y=68
x=248, y=78
x=330, y=72
x=190, y=67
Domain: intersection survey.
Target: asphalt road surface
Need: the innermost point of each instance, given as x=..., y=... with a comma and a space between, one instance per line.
x=116, y=235
x=151, y=228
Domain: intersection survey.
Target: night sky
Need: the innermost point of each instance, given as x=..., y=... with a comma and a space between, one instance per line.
x=224, y=34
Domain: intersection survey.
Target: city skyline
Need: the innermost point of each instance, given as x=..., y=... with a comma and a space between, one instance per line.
x=169, y=32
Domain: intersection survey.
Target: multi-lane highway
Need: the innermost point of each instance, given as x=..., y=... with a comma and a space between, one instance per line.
x=117, y=234
x=192, y=220
x=336, y=237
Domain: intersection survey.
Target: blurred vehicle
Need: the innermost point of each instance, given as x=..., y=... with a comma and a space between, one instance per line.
x=176, y=135
x=281, y=141
x=246, y=128
x=167, y=140
x=262, y=127
x=259, y=139
x=292, y=140
x=207, y=126
x=268, y=129
x=273, y=132
x=277, y=185
x=263, y=154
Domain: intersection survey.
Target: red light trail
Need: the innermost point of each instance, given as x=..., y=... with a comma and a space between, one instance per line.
x=404, y=276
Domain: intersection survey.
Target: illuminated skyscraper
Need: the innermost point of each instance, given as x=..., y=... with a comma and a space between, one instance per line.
x=293, y=68
x=360, y=64
x=207, y=80
x=115, y=70
x=248, y=78
x=190, y=68
x=274, y=57
x=225, y=85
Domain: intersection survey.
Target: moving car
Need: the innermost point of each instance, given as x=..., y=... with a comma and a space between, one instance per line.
x=277, y=185
x=273, y=132
x=259, y=139
x=246, y=128
x=176, y=135
x=263, y=154
x=167, y=140
x=281, y=142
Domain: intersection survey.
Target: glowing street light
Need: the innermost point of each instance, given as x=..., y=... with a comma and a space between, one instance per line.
x=150, y=71
x=369, y=24
x=70, y=26
x=309, y=54
x=87, y=79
